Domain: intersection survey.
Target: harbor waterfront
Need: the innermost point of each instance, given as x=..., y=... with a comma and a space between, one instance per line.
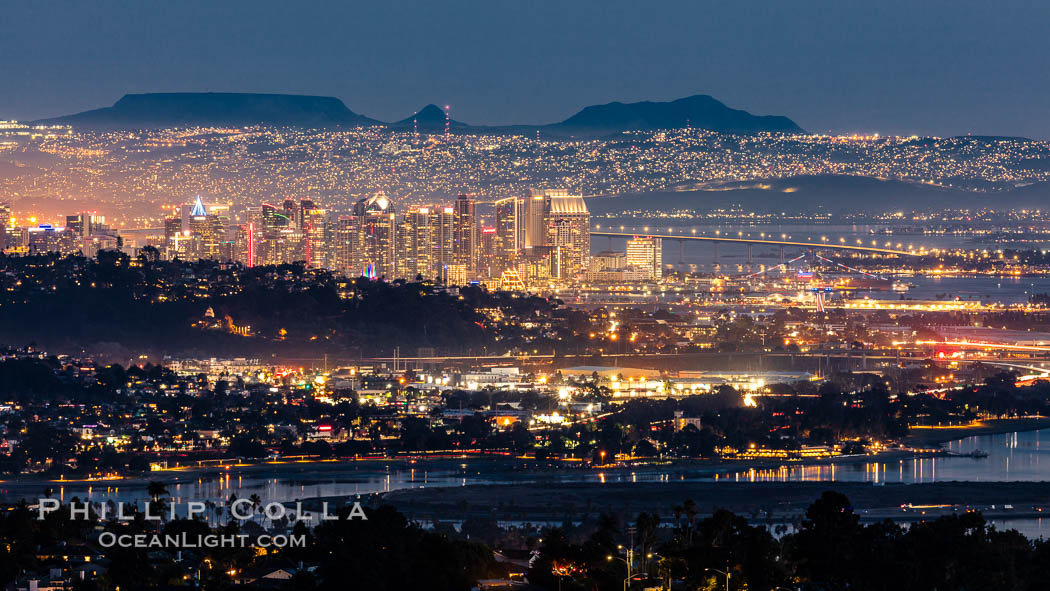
x=1018, y=457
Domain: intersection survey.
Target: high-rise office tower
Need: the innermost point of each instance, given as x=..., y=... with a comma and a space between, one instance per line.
x=174, y=244
x=244, y=244
x=646, y=253
x=568, y=225
x=313, y=224
x=6, y=224
x=292, y=211
x=418, y=252
x=86, y=224
x=564, y=228
x=376, y=255
x=206, y=231
x=277, y=239
x=532, y=225
x=47, y=238
x=509, y=237
x=489, y=264
x=465, y=234
x=346, y=235
x=444, y=241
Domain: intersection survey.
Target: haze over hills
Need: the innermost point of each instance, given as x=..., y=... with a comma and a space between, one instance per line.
x=148, y=111
x=809, y=193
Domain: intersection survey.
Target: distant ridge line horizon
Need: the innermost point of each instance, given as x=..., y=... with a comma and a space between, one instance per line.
x=169, y=109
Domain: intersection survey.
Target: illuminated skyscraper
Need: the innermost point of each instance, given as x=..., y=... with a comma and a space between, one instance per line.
x=292, y=212
x=646, y=253
x=313, y=224
x=444, y=241
x=207, y=232
x=489, y=264
x=175, y=241
x=345, y=245
x=568, y=225
x=277, y=240
x=376, y=255
x=417, y=255
x=532, y=225
x=465, y=234
x=563, y=227
x=86, y=224
x=509, y=237
x=244, y=245
x=47, y=238
x=7, y=224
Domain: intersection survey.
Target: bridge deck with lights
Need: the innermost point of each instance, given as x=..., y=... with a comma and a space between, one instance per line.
x=815, y=245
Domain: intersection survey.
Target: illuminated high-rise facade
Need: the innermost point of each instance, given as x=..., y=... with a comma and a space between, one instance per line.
x=276, y=238
x=417, y=253
x=509, y=237
x=207, y=232
x=7, y=225
x=345, y=237
x=465, y=234
x=86, y=224
x=292, y=212
x=376, y=252
x=532, y=222
x=313, y=223
x=560, y=224
x=646, y=254
x=428, y=243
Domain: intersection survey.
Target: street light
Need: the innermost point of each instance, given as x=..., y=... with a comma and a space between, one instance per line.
x=652, y=555
x=630, y=559
x=721, y=572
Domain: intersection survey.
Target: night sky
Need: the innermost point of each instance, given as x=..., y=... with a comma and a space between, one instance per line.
x=893, y=67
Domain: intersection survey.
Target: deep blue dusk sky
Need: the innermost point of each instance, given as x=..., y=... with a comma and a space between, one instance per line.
x=929, y=67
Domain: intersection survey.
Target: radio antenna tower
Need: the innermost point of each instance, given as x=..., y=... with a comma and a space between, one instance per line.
x=448, y=122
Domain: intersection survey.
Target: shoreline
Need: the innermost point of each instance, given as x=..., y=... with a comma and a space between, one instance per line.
x=937, y=435
x=930, y=438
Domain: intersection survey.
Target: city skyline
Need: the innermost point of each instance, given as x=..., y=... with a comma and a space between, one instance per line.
x=668, y=296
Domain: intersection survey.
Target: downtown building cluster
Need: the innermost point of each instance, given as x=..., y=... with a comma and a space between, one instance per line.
x=84, y=232
x=542, y=238
x=518, y=244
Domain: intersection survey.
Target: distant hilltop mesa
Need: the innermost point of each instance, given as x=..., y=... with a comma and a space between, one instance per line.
x=169, y=109
x=700, y=111
x=150, y=111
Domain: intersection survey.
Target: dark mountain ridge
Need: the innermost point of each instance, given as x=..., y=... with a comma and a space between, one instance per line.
x=700, y=111
x=170, y=109
x=429, y=118
x=147, y=111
